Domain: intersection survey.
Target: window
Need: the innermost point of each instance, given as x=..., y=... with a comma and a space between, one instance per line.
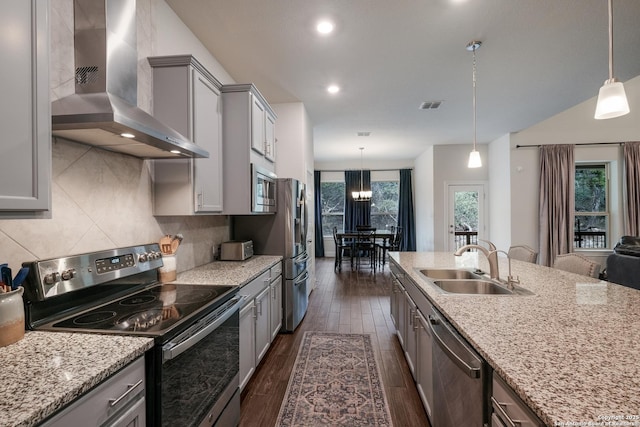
x=384, y=204
x=591, y=217
x=332, y=194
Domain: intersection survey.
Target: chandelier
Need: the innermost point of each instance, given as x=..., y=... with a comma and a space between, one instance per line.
x=362, y=195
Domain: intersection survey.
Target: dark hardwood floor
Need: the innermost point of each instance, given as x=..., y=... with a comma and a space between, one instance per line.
x=348, y=301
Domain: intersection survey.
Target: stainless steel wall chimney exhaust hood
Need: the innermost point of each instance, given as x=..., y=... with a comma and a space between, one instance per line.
x=103, y=111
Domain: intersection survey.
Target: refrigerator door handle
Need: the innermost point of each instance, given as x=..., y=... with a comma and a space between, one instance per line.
x=304, y=278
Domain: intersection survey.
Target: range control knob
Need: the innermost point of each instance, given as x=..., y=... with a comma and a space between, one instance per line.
x=142, y=258
x=52, y=278
x=68, y=274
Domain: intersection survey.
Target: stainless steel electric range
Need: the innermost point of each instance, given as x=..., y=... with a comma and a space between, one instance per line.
x=192, y=370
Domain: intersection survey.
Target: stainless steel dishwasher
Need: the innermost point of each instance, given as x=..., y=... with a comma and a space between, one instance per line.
x=460, y=378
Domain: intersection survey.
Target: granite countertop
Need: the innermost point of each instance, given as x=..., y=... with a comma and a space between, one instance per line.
x=45, y=371
x=230, y=273
x=571, y=351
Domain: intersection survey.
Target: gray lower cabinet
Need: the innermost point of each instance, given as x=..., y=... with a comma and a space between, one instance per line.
x=508, y=408
x=117, y=402
x=263, y=324
x=25, y=118
x=247, y=343
x=187, y=98
x=410, y=347
x=276, y=300
x=424, y=367
x=255, y=326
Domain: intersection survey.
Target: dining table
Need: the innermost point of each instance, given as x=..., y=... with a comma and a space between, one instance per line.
x=382, y=236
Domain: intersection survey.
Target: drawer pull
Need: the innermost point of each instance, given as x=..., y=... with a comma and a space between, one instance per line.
x=502, y=414
x=131, y=387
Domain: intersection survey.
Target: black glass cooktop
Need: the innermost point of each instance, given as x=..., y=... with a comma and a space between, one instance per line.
x=151, y=310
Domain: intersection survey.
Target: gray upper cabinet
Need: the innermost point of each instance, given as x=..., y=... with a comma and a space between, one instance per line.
x=249, y=139
x=187, y=98
x=25, y=176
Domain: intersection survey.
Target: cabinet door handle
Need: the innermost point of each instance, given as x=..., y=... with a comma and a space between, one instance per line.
x=130, y=388
x=503, y=414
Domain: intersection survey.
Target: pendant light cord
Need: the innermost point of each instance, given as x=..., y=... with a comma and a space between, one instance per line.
x=474, y=97
x=610, y=40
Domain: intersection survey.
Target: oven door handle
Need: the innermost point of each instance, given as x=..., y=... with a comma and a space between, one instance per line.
x=171, y=350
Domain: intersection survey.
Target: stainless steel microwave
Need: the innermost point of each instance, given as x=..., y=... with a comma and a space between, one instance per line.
x=263, y=190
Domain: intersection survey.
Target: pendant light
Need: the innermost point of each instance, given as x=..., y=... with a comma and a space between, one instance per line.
x=362, y=195
x=474, y=157
x=612, y=100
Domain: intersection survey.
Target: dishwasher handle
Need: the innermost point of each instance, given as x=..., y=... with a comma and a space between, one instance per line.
x=471, y=371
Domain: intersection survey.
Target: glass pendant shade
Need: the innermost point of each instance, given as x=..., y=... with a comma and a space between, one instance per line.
x=474, y=159
x=361, y=195
x=612, y=101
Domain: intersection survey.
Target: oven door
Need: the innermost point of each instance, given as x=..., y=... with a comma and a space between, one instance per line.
x=197, y=371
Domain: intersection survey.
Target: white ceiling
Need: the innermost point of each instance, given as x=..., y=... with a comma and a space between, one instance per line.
x=538, y=58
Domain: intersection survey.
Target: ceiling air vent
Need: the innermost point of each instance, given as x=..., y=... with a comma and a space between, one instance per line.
x=364, y=133
x=430, y=105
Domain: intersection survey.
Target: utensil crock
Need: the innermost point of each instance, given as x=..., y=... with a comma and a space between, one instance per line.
x=11, y=317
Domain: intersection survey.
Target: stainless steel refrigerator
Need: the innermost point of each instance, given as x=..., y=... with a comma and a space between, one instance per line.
x=283, y=233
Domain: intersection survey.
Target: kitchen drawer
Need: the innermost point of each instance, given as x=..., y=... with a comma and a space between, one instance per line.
x=254, y=287
x=507, y=406
x=276, y=270
x=117, y=398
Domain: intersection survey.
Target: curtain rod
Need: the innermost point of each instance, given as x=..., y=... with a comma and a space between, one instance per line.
x=585, y=143
x=351, y=169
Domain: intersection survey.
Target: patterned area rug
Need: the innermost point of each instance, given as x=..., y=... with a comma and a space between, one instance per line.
x=335, y=382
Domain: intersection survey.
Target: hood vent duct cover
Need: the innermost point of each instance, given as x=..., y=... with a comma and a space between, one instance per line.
x=103, y=111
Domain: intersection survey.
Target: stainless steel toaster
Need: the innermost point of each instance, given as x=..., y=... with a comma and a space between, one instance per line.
x=236, y=250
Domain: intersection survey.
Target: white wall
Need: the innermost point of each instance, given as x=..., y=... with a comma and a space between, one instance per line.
x=423, y=200
x=294, y=146
x=449, y=167
x=170, y=36
x=500, y=192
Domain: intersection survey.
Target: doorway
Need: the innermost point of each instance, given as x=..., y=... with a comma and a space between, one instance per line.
x=465, y=213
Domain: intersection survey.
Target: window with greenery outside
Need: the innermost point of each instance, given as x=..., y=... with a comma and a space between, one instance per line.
x=384, y=204
x=591, y=218
x=332, y=194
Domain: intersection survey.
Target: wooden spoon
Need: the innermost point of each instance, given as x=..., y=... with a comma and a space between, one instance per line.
x=165, y=245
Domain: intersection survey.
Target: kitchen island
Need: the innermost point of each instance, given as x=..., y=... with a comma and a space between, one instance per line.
x=570, y=351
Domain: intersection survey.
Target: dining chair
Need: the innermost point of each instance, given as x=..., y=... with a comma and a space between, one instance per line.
x=365, y=247
x=392, y=244
x=575, y=263
x=342, y=248
x=523, y=253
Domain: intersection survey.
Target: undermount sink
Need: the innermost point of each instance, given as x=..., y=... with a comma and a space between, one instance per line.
x=472, y=286
x=449, y=273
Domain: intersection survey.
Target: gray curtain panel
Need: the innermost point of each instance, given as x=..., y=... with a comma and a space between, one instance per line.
x=557, y=201
x=632, y=184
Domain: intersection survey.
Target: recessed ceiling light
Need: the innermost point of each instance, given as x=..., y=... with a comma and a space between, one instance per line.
x=175, y=151
x=333, y=89
x=324, y=27
x=127, y=135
